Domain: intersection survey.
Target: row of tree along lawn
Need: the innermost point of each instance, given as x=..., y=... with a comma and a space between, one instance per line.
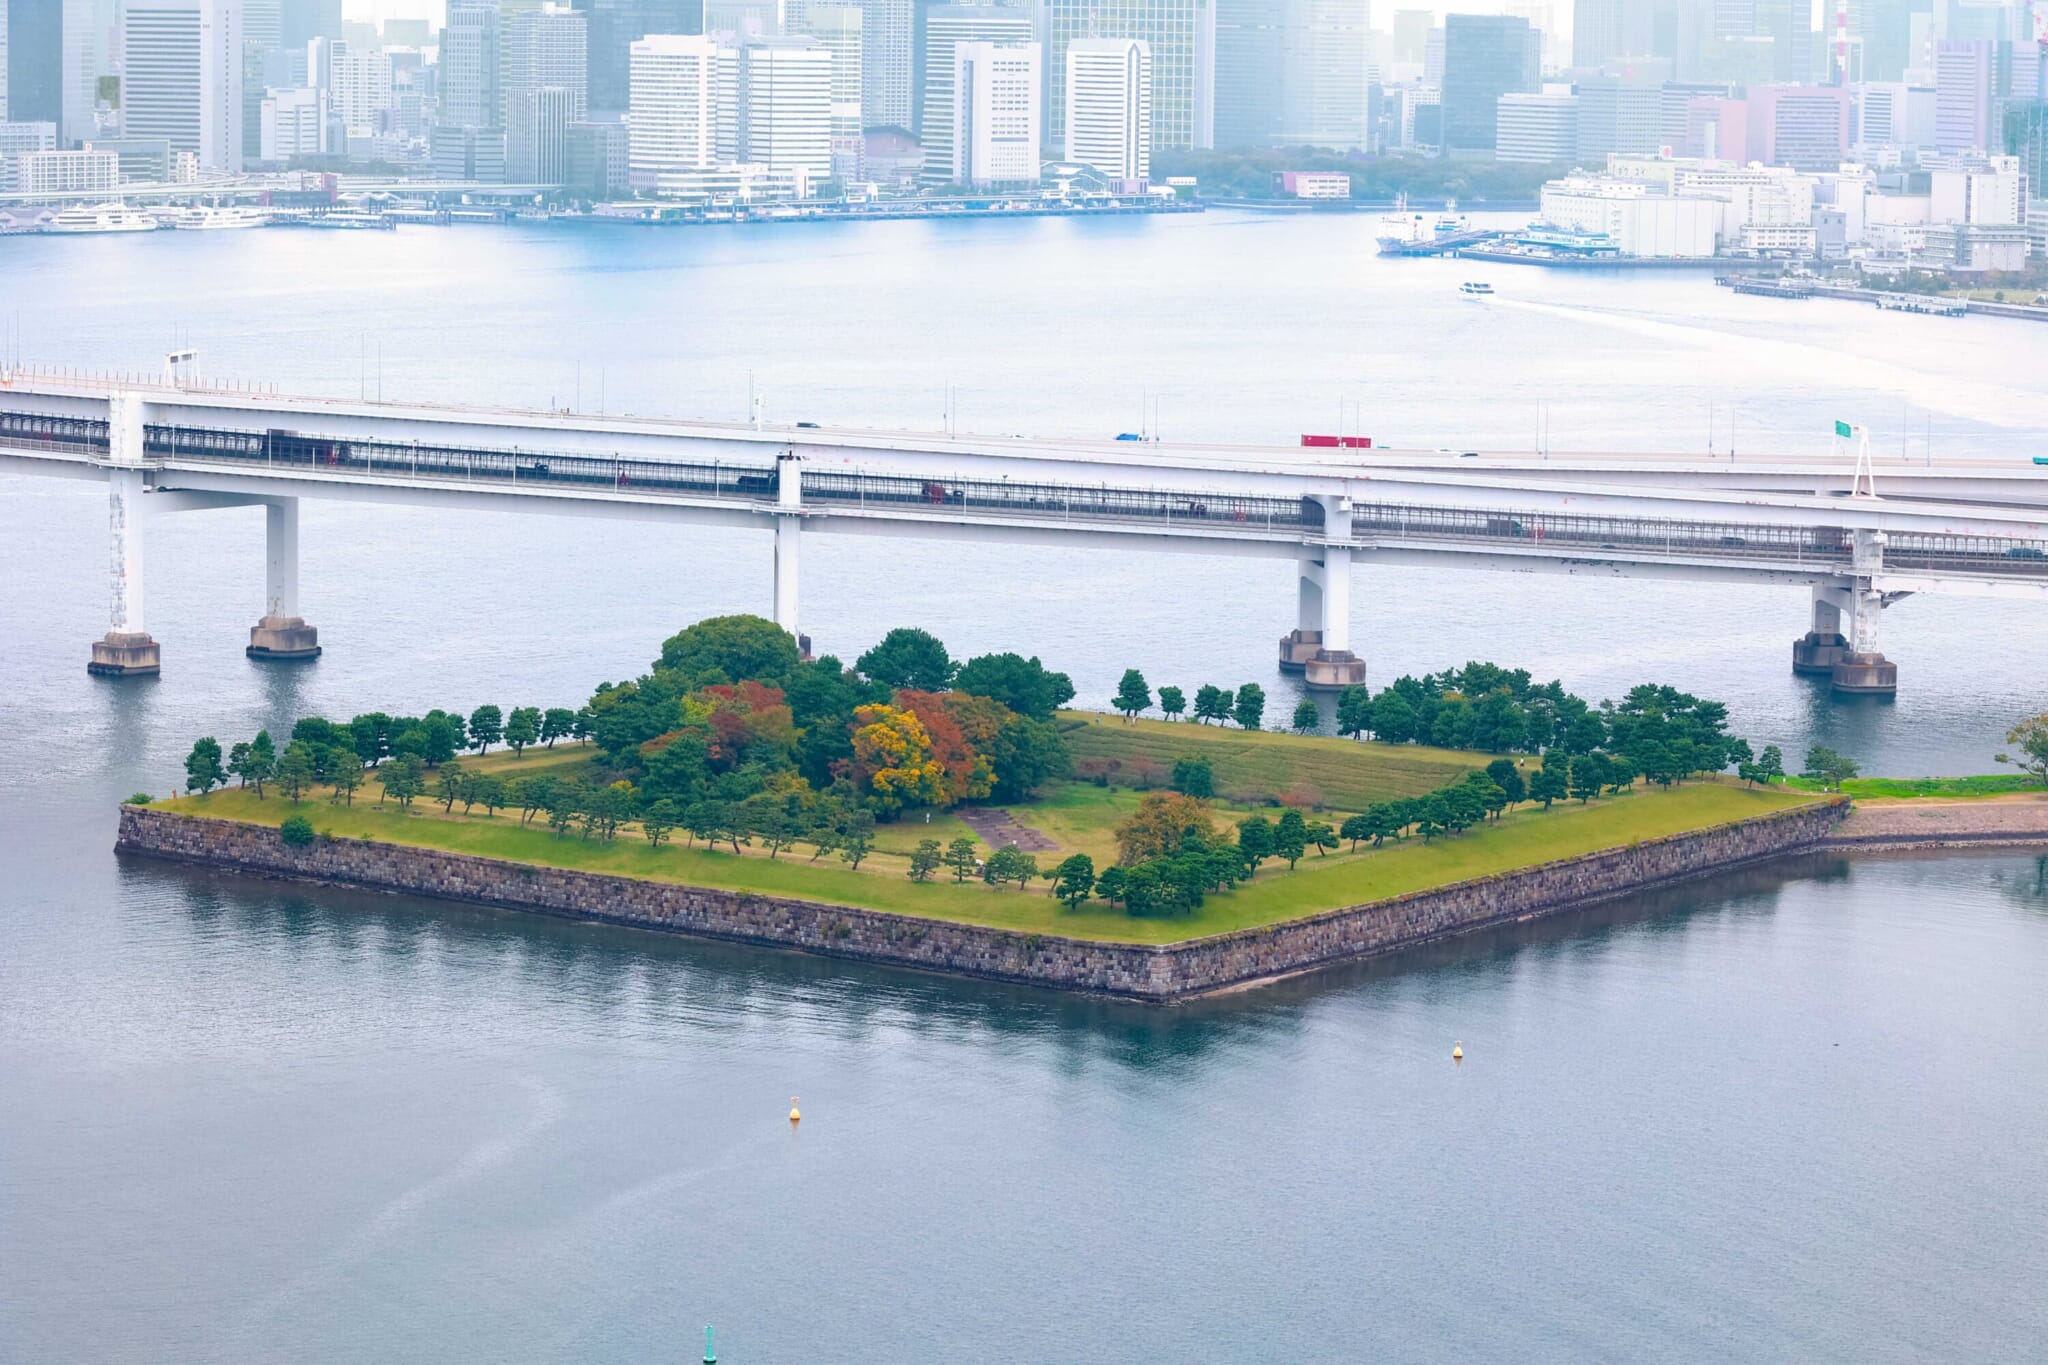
x=730, y=714
x=1661, y=731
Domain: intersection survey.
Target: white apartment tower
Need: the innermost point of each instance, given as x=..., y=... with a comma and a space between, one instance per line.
x=543, y=83
x=996, y=115
x=838, y=28
x=785, y=105
x=182, y=77
x=944, y=27
x=1109, y=106
x=672, y=118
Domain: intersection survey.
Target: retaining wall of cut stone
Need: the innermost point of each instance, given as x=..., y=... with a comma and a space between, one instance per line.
x=1144, y=972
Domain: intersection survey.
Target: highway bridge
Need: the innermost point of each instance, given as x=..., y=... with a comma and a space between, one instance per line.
x=1859, y=541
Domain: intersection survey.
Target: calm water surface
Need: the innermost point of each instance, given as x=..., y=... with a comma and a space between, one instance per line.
x=1794, y=1116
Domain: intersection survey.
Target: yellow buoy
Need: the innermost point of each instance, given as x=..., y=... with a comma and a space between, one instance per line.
x=794, y=1116
x=1457, y=1055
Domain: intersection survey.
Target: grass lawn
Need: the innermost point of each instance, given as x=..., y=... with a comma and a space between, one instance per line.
x=1986, y=784
x=1526, y=837
x=1341, y=773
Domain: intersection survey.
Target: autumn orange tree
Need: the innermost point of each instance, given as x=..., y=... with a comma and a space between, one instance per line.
x=969, y=775
x=1162, y=826
x=893, y=764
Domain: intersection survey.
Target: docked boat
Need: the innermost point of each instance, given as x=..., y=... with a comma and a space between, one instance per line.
x=1476, y=289
x=211, y=218
x=80, y=218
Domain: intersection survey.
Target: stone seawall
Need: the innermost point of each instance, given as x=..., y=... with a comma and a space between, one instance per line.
x=1140, y=971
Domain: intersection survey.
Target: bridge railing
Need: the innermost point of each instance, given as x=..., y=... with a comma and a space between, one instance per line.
x=65, y=435
x=1067, y=502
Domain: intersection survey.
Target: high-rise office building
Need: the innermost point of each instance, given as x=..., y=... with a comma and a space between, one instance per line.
x=1181, y=35
x=1250, y=83
x=542, y=88
x=996, y=106
x=470, y=71
x=3, y=64
x=888, y=46
x=293, y=124
x=1597, y=33
x=1805, y=127
x=301, y=21
x=1538, y=130
x=672, y=126
x=1964, y=83
x=785, y=105
x=2025, y=136
x=262, y=34
x=944, y=27
x=1411, y=33
x=1325, y=57
x=35, y=61
x=611, y=29
x=1485, y=56
x=1109, y=106
x=182, y=77
x=1614, y=116
x=746, y=18
x=838, y=29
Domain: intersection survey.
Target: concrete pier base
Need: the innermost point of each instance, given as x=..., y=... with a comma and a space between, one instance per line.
x=1332, y=670
x=125, y=654
x=1818, y=651
x=1298, y=648
x=1866, y=675
x=285, y=639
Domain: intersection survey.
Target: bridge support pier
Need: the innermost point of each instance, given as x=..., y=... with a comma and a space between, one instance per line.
x=1862, y=669
x=1821, y=648
x=1320, y=647
x=282, y=635
x=127, y=650
x=789, y=546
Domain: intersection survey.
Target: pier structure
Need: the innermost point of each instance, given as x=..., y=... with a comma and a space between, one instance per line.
x=1858, y=536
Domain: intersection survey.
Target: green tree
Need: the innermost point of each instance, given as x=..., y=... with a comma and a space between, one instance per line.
x=255, y=762
x=486, y=727
x=1213, y=703
x=1354, y=711
x=1073, y=881
x=1770, y=765
x=925, y=860
x=1194, y=776
x=1010, y=864
x=730, y=649
x=522, y=727
x=1588, y=777
x=961, y=855
x=1290, y=837
x=1831, y=770
x=297, y=831
x=489, y=791
x=295, y=770
x=659, y=821
x=1254, y=842
x=1321, y=837
x=1357, y=828
x=403, y=780
x=1307, y=719
x=1172, y=702
x=1551, y=782
x=857, y=836
x=2030, y=738
x=203, y=768
x=345, y=776
x=1505, y=775
x=1024, y=685
x=705, y=820
x=448, y=788
x=908, y=658
x=1132, y=695
x=1250, y=707
x=1394, y=718
x=1112, y=884
x=557, y=722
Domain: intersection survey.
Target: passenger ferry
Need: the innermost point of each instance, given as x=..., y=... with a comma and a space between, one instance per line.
x=102, y=218
x=208, y=218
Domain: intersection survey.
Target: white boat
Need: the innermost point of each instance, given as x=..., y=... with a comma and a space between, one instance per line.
x=209, y=218
x=1451, y=221
x=1476, y=289
x=102, y=218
